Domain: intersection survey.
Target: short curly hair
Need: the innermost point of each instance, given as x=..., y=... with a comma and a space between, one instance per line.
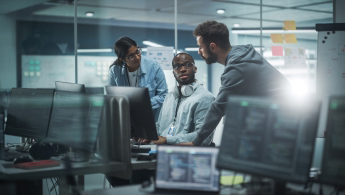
x=213, y=31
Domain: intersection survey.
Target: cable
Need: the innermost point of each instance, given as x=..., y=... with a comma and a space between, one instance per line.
x=233, y=179
x=53, y=186
x=47, y=186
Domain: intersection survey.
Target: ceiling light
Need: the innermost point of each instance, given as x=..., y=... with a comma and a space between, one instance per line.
x=236, y=25
x=94, y=50
x=237, y=31
x=220, y=11
x=191, y=48
x=89, y=14
x=152, y=44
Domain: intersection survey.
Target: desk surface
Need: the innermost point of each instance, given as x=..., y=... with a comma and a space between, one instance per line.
x=137, y=189
x=9, y=172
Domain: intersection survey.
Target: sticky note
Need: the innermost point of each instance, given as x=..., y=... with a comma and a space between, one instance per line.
x=289, y=25
x=287, y=51
x=301, y=51
x=277, y=38
x=277, y=50
x=290, y=38
x=231, y=180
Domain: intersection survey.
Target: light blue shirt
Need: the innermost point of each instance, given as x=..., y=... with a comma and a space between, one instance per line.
x=151, y=76
x=190, y=115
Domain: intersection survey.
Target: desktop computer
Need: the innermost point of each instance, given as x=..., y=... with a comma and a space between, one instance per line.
x=113, y=142
x=29, y=112
x=142, y=118
x=75, y=119
x=71, y=87
x=269, y=138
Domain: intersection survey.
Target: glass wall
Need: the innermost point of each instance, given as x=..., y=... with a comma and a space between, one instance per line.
x=43, y=41
x=41, y=36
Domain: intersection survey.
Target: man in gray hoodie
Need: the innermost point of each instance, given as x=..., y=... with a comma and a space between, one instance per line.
x=245, y=73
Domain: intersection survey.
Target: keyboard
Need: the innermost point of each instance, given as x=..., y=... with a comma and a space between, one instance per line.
x=9, y=156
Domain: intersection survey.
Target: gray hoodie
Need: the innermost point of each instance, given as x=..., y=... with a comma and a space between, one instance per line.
x=246, y=73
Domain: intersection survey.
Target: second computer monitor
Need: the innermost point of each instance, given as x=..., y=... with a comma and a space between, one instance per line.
x=29, y=112
x=333, y=163
x=75, y=119
x=72, y=87
x=142, y=118
x=269, y=138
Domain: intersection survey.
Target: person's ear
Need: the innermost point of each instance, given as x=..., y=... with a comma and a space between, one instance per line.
x=213, y=46
x=195, y=69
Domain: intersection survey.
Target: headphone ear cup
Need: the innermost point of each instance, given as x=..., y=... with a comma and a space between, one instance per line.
x=187, y=90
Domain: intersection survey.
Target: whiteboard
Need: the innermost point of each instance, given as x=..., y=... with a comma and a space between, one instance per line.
x=330, y=78
x=42, y=71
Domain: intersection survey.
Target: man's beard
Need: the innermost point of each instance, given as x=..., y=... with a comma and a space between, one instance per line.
x=212, y=58
x=190, y=80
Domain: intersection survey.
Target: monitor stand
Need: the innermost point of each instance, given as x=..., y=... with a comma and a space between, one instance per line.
x=78, y=155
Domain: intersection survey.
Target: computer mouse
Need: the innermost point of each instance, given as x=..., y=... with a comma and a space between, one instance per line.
x=22, y=159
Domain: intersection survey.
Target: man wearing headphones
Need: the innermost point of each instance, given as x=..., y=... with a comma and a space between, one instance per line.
x=184, y=108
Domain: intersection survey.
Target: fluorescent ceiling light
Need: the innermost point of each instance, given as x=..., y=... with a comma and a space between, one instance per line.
x=191, y=48
x=236, y=25
x=94, y=50
x=152, y=44
x=235, y=31
x=89, y=14
x=220, y=11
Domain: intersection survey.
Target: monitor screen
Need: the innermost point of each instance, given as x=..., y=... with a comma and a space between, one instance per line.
x=72, y=87
x=333, y=163
x=142, y=119
x=75, y=119
x=29, y=112
x=269, y=138
x=187, y=168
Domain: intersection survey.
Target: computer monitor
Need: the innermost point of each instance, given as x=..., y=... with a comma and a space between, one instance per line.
x=72, y=87
x=333, y=162
x=142, y=118
x=29, y=112
x=269, y=138
x=95, y=90
x=75, y=119
x=190, y=168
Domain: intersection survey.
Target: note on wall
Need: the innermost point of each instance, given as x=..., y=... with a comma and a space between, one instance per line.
x=277, y=38
x=295, y=57
x=290, y=38
x=289, y=25
x=163, y=55
x=277, y=50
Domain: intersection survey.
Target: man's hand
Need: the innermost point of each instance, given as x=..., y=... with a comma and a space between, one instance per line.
x=161, y=140
x=185, y=144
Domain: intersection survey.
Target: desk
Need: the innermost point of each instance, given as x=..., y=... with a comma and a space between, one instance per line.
x=137, y=190
x=9, y=173
x=137, y=165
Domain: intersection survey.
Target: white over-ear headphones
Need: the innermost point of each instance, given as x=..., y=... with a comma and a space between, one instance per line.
x=186, y=90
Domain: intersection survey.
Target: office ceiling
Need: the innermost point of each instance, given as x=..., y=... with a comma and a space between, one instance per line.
x=155, y=13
